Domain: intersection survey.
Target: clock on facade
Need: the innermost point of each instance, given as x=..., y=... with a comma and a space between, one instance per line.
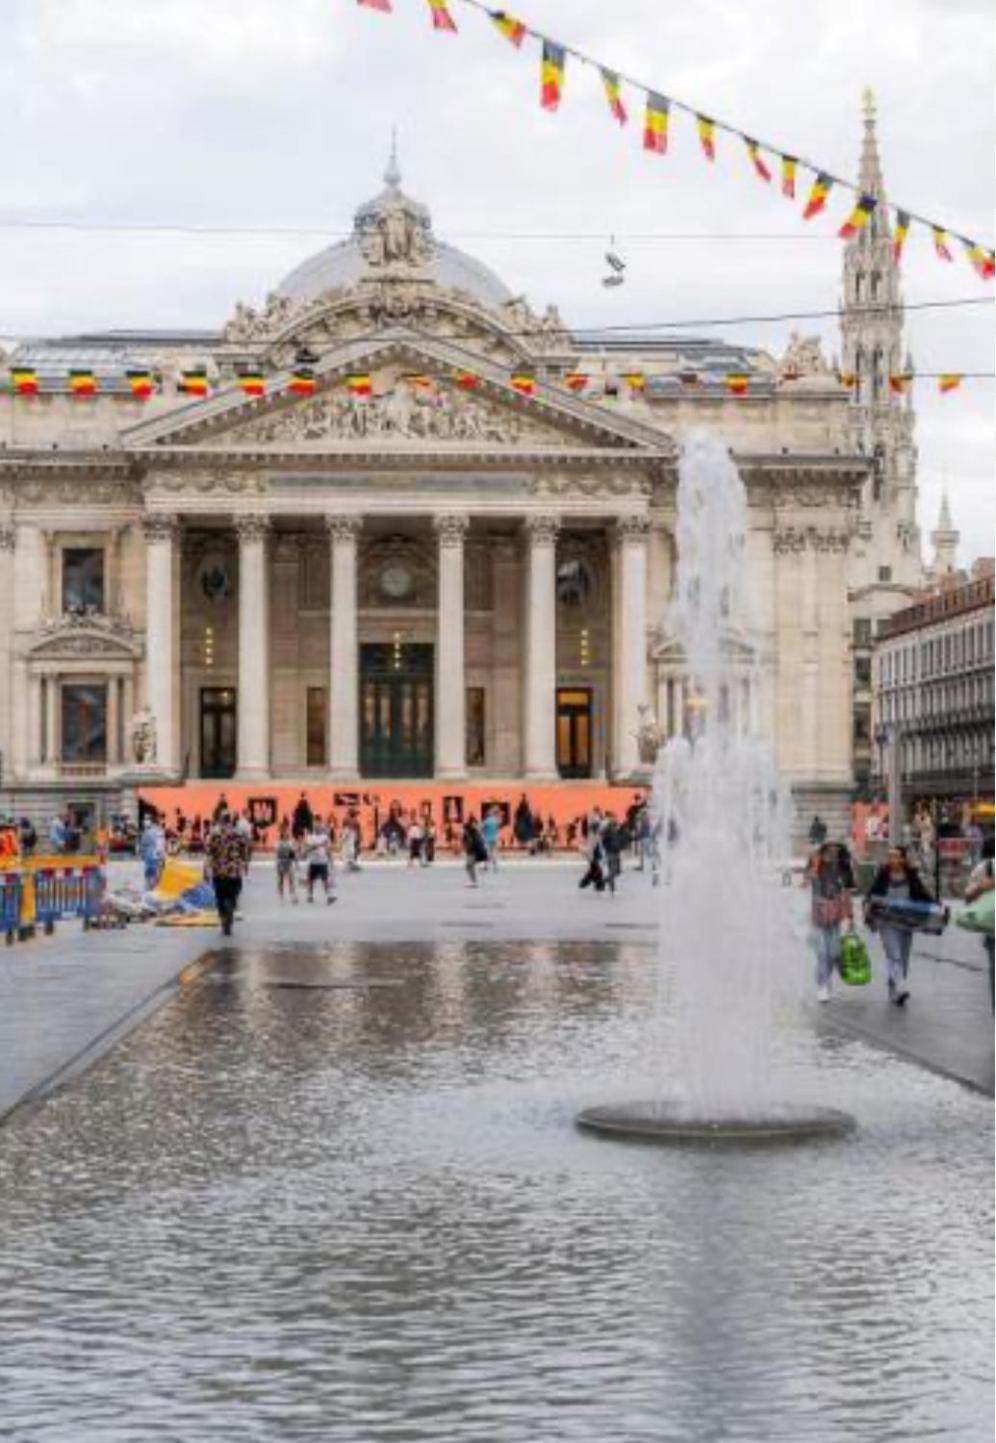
x=396, y=582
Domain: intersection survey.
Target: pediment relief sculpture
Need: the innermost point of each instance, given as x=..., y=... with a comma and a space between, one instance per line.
x=398, y=415
x=85, y=633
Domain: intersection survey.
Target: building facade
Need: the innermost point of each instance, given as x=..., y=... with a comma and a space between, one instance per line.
x=933, y=704
x=451, y=558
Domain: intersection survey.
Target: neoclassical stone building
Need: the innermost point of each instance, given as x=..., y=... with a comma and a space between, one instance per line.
x=403, y=559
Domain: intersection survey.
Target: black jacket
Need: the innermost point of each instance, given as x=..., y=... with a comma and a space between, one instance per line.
x=918, y=892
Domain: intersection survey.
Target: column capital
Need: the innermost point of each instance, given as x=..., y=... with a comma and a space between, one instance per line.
x=631, y=528
x=251, y=526
x=542, y=529
x=343, y=527
x=451, y=527
x=160, y=526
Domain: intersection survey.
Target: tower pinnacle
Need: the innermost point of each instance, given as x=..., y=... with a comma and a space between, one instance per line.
x=392, y=175
x=870, y=176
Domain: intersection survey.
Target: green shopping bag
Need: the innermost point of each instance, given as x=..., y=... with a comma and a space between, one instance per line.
x=855, y=964
x=978, y=915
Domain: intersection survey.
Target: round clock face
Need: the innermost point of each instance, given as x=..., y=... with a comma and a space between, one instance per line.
x=395, y=582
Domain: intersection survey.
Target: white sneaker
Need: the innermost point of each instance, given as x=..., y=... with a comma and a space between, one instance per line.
x=823, y=993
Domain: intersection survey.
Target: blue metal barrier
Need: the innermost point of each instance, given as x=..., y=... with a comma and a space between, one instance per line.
x=72, y=891
x=11, y=894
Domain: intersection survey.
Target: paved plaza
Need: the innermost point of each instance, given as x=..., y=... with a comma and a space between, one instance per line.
x=66, y=999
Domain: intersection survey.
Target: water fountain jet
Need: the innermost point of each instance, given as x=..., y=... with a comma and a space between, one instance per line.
x=727, y=953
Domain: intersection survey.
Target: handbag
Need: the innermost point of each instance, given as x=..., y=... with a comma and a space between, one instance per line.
x=978, y=915
x=855, y=964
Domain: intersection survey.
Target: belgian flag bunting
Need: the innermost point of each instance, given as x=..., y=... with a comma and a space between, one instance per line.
x=24, y=380
x=848, y=379
x=789, y=165
x=359, y=385
x=655, y=123
x=757, y=159
x=522, y=382
x=419, y=381
x=193, y=383
x=441, y=17
x=140, y=384
x=576, y=380
x=707, y=135
x=941, y=243
x=613, y=94
x=822, y=186
x=949, y=381
x=82, y=383
x=384, y=5
x=737, y=383
x=858, y=218
x=512, y=29
x=552, y=75
x=251, y=383
x=899, y=235
x=635, y=380
x=983, y=262
x=898, y=382
x=302, y=382
x=467, y=380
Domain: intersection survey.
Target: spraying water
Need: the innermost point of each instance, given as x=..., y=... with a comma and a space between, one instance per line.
x=722, y=814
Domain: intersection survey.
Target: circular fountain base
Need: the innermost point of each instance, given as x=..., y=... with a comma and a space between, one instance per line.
x=665, y=1122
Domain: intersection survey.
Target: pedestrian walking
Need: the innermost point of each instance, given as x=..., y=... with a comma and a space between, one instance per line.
x=351, y=842
x=152, y=851
x=491, y=833
x=429, y=842
x=817, y=831
x=474, y=850
x=830, y=908
x=522, y=822
x=227, y=860
x=979, y=882
x=303, y=818
x=896, y=881
x=318, y=852
x=611, y=838
x=416, y=836
x=595, y=874
x=286, y=858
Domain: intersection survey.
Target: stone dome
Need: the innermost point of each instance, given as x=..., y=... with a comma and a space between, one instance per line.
x=392, y=237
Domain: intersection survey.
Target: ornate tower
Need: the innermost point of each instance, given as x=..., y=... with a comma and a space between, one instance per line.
x=882, y=423
x=944, y=539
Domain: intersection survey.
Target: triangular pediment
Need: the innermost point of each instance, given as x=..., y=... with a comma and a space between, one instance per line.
x=416, y=402
x=74, y=636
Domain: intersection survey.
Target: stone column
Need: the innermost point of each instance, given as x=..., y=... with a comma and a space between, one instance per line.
x=451, y=694
x=540, y=728
x=629, y=666
x=53, y=694
x=7, y=542
x=344, y=658
x=254, y=648
x=161, y=652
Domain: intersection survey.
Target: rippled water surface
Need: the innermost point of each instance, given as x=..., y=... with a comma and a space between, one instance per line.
x=362, y=1212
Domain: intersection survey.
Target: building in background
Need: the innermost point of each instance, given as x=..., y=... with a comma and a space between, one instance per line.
x=884, y=563
x=933, y=685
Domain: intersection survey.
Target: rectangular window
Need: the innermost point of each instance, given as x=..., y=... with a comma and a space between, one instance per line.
x=83, y=578
x=84, y=723
x=862, y=630
x=862, y=671
x=317, y=712
x=475, y=750
x=885, y=573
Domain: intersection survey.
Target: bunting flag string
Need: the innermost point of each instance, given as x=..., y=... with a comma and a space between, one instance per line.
x=554, y=58
x=858, y=218
x=552, y=75
x=613, y=94
x=655, y=124
x=707, y=136
x=756, y=159
x=141, y=383
x=512, y=29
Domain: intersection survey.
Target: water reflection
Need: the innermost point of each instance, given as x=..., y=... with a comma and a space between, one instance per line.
x=361, y=1212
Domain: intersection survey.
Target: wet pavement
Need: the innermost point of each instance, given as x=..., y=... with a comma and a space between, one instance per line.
x=333, y=1190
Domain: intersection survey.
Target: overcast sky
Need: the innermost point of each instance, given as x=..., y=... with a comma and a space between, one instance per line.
x=277, y=113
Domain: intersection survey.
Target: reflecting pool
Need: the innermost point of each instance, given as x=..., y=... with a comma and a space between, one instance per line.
x=337, y=1193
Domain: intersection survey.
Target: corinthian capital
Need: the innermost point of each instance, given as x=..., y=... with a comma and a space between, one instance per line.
x=632, y=528
x=160, y=526
x=451, y=527
x=343, y=527
x=251, y=526
x=542, y=530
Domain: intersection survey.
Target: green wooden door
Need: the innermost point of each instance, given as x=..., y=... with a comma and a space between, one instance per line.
x=396, y=710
